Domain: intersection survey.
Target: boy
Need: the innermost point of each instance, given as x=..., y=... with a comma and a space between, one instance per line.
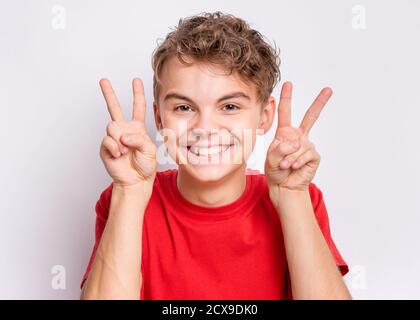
x=212, y=229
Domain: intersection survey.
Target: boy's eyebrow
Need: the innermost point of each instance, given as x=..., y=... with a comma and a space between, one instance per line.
x=238, y=94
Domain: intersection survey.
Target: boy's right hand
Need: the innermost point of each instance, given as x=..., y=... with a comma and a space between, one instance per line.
x=128, y=153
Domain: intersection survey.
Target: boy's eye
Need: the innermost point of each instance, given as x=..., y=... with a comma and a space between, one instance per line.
x=183, y=108
x=187, y=108
x=230, y=107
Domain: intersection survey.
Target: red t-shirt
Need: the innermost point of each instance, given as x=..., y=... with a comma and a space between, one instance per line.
x=234, y=251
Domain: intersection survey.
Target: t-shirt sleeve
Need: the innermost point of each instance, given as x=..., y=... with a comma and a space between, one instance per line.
x=102, y=211
x=321, y=215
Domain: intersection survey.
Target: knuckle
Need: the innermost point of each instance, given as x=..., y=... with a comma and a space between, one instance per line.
x=105, y=140
x=114, y=126
x=115, y=135
x=110, y=143
x=282, y=148
x=291, y=157
x=110, y=128
x=270, y=161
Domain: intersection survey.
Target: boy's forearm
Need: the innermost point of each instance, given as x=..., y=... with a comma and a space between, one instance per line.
x=116, y=270
x=313, y=271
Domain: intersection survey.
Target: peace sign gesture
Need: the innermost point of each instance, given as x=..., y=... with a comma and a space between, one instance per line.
x=128, y=153
x=292, y=160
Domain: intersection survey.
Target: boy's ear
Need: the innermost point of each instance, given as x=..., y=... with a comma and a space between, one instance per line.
x=267, y=115
x=158, y=120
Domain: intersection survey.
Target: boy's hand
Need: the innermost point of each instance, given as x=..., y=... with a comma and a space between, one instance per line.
x=292, y=145
x=128, y=153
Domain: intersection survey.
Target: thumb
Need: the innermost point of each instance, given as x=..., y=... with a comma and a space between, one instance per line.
x=285, y=148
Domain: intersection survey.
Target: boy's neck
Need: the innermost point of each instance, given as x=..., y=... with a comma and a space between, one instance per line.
x=212, y=194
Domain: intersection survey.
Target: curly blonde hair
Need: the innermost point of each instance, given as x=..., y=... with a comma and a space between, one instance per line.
x=225, y=40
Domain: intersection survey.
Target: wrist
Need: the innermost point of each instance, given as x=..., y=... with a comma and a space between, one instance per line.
x=142, y=186
x=281, y=195
x=137, y=193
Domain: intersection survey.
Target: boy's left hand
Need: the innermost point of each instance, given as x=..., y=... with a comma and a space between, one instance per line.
x=292, y=144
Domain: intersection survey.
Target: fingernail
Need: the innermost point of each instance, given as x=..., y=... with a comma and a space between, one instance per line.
x=126, y=138
x=124, y=150
x=284, y=163
x=295, y=144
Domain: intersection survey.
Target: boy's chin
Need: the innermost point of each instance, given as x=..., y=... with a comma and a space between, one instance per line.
x=209, y=173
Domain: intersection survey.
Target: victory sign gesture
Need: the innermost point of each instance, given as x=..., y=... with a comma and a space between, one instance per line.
x=128, y=153
x=292, y=160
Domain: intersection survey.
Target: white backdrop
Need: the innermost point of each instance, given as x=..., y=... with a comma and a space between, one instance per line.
x=52, y=54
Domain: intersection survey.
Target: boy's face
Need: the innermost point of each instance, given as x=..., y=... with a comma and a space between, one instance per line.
x=209, y=119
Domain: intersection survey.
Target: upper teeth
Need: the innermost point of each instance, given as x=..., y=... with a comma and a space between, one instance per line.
x=200, y=151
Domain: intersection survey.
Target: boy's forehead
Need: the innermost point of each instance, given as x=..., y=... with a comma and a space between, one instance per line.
x=201, y=78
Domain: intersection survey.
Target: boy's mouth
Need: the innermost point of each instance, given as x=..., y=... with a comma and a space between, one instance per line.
x=208, y=151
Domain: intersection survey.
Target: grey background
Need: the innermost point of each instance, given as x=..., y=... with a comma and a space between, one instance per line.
x=54, y=118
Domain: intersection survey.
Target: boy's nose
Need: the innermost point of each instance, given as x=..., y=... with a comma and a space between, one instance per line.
x=205, y=128
x=206, y=123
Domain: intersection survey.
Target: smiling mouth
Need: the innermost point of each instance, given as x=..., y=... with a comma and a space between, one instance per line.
x=208, y=151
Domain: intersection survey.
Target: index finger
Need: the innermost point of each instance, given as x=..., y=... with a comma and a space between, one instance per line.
x=139, y=103
x=284, y=109
x=112, y=103
x=315, y=109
